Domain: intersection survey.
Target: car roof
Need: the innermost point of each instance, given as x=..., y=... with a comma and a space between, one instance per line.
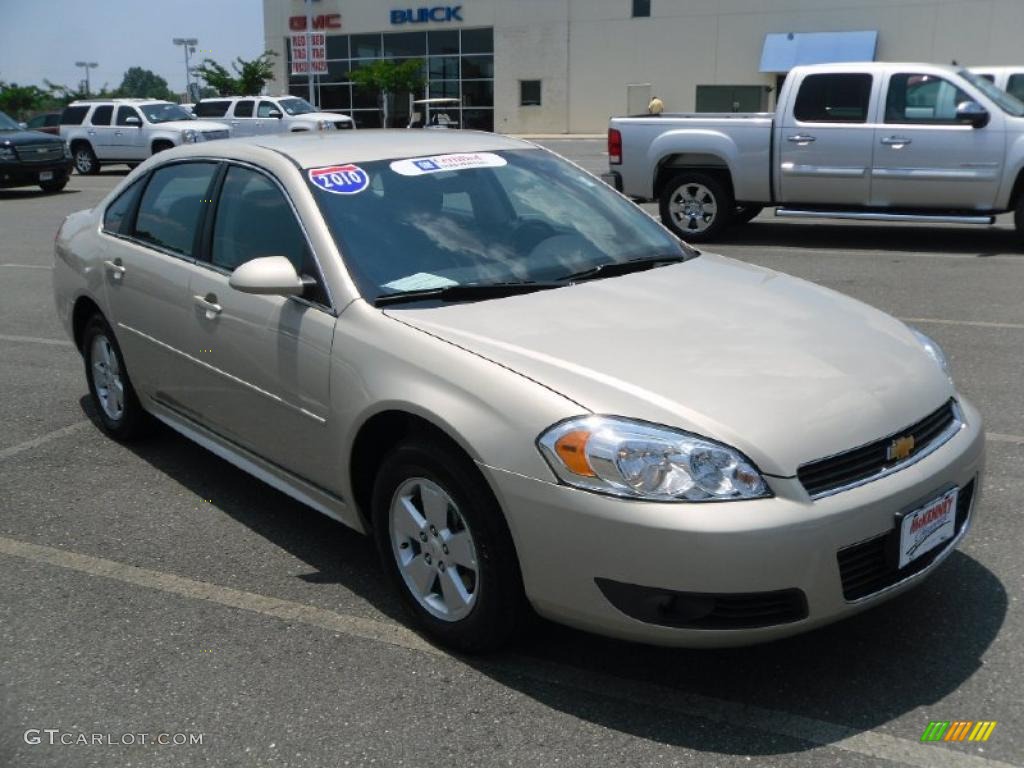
x=319, y=148
x=1002, y=69
x=90, y=102
x=873, y=67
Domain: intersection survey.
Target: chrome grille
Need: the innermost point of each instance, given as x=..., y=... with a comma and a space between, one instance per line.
x=871, y=461
x=40, y=153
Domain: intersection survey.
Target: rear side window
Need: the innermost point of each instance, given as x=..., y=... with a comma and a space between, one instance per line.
x=839, y=98
x=243, y=109
x=211, y=108
x=1015, y=86
x=73, y=115
x=118, y=211
x=102, y=115
x=172, y=205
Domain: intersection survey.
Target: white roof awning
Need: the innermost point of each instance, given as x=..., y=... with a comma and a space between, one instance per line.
x=785, y=50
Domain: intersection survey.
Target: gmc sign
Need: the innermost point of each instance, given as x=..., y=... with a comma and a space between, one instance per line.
x=421, y=15
x=323, y=21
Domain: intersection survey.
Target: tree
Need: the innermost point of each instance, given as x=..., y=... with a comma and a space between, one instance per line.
x=21, y=101
x=144, y=84
x=249, y=77
x=390, y=77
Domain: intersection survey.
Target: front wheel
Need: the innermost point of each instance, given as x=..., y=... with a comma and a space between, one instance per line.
x=85, y=160
x=1018, y=219
x=50, y=187
x=445, y=546
x=695, y=206
x=117, y=406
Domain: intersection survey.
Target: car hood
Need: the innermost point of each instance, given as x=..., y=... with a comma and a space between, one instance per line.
x=782, y=369
x=194, y=125
x=317, y=116
x=14, y=138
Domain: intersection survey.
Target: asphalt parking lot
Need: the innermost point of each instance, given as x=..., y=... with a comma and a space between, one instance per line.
x=158, y=590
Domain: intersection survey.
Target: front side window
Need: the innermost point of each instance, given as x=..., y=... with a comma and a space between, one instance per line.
x=1015, y=86
x=172, y=205
x=511, y=216
x=839, y=98
x=123, y=113
x=243, y=109
x=37, y=122
x=165, y=113
x=916, y=98
x=265, y=109
x=212, y=108
x=254, y=220
x=102, y=115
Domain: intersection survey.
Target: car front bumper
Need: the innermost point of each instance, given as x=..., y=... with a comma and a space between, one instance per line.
x=573, y=544
x=26, y=175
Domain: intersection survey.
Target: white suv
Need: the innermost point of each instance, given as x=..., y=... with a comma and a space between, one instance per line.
x=105, y=131
x=257, y=115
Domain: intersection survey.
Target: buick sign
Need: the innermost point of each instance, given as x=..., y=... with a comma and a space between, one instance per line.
x=427, y=13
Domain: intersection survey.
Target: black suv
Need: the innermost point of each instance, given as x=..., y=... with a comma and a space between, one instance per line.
x=28, y=158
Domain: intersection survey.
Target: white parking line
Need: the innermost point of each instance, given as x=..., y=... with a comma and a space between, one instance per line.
x=645, y=695
x=1000, y=438
x=27, y=266
x=974, y=323
x=36, y=340
x=78, y=426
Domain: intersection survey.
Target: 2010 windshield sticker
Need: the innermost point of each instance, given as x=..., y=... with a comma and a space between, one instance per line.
x=340, y=179
x=418, y=166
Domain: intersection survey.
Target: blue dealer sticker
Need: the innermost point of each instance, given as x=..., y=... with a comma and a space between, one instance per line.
x=340, y=179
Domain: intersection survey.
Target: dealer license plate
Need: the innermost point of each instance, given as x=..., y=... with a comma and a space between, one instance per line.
x=46, y=176
x=926, y=527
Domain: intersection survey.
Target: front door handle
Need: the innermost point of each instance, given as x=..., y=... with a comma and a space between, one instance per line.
x=896, y=141
x=115, y=268
x=801, y=138
x=209, y=304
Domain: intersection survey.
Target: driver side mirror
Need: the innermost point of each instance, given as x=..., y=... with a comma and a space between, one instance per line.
x=275, y=113
x=133, y=120
x=972, y=113
x=269, y=275
x=23, y=126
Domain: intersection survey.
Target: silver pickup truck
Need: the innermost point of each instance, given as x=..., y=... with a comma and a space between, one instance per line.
x=877, y=141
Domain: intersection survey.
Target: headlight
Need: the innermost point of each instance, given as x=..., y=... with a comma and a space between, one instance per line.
x=7, y=153
x=934, y=351
x=324, y=125
x=67, y=151
x=643, y=461
x=189, y=136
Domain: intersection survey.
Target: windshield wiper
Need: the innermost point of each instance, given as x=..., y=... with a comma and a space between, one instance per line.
x=454, y=293
x=614, y=268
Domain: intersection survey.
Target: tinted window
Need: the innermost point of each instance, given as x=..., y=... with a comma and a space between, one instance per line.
x=266, y=108
x=73, y=115
x=211, y=108
x=123, y=113
x=254, y=220
x=441, y=42
x=916, y=98
x=114, y=216
x=478, y=41
x=37, y=122
x=53, y=119
x=833, y=99
x=529, y=93
x=172, y=205
x=243, y=109
x=1015, y=86
x=641, y=8
x=102, y=115
x=365, y=46
x=405, y=44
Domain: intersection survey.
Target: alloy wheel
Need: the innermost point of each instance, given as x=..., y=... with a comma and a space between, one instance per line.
x=693, y=207
x=106, y=377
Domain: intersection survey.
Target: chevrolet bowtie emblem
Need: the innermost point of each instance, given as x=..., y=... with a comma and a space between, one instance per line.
x=900, y=448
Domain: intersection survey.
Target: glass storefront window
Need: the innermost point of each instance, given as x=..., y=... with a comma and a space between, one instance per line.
x=478, y=93
x=337, y=72
x=478, y=119
x=337, y=46
x=365, y=97
x=366, y=118
x=477, y=41
x=444, y=89
x=366, y=46
x=405, y=44
x=443, y=67
x=335, y=97
x=477, y=67
x=443, y=42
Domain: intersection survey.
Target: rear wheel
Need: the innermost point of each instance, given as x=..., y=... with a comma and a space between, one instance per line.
x=85, y=160
x=696, y=206
x=117, y=406
x=446, y=547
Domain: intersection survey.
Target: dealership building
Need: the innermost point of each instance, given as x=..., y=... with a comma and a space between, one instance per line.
x=565, y=66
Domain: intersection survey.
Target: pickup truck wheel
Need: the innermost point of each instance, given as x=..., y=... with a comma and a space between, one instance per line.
x=746, y=213
x=85, y=160
x=695, y=206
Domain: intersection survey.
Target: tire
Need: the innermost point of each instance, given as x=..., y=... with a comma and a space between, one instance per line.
x=49, y=187
x=132, y=166
x=696, y=206
x=1018, y=219
x=86, y=163
x=117, y=407
x=490, y=606
x=744, y=214
x=160, y=146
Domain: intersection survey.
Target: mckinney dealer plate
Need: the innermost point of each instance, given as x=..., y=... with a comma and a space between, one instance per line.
x=926, y=527
x=46, y=176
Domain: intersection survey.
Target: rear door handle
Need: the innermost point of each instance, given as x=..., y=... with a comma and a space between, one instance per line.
x=896, y=141
x=801, y=138
x=209, y=303
x=118, y=133
x=115, y=268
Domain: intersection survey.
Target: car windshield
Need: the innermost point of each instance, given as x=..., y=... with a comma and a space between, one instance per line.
x=296, y=106
x=515, y=216
x=1011, y=105
x=6, y=124
x=165, y=113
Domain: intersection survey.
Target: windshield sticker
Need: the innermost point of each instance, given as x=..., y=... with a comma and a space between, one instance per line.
x=340, y=179
x=419, y=281
x=419, y=166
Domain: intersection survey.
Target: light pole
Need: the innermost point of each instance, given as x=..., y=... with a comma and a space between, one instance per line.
x=86, y=65
x=188, y=43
